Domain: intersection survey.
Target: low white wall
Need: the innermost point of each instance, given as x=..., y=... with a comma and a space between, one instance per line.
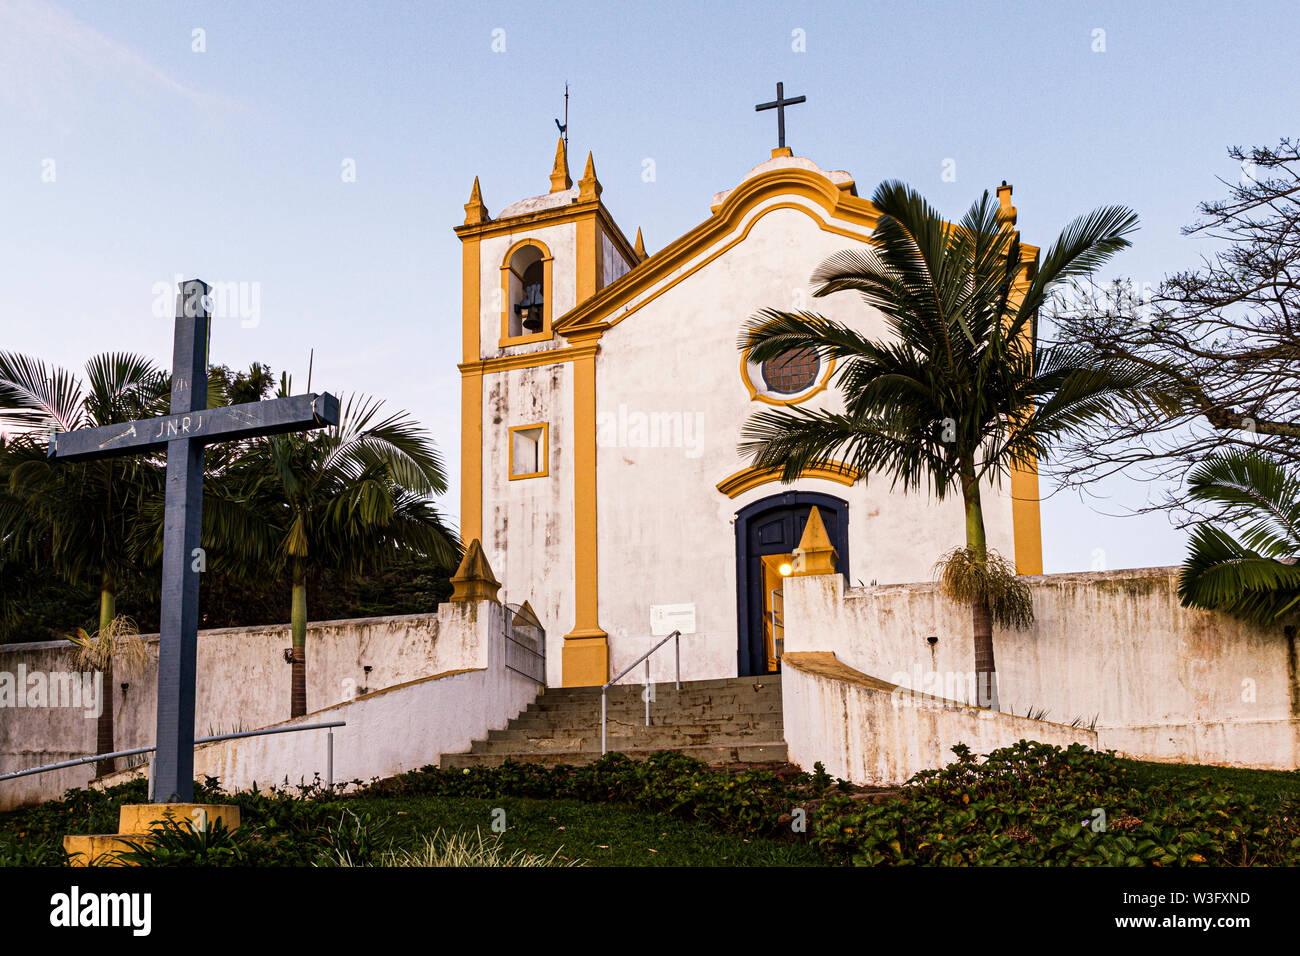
x=1162, y=681
x=393, y=730
x=243, y=683
x=869, y=732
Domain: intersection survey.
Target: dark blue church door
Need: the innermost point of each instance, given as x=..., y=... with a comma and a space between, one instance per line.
x=767, y=532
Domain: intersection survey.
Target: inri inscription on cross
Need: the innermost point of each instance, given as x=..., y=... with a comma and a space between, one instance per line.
x=184, y=433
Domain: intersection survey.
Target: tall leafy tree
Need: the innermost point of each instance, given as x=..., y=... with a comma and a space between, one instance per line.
x=78, y=520
x=1225, y=331
x=957, y=391
x=339, y=502
x=1254, y=575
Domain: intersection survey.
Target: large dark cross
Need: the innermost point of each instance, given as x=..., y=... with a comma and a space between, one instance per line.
x=779, y=104
x=184, y=433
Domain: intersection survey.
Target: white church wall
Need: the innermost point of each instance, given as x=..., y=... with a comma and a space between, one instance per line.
x=528, y=534
x=670, y=407
x=1162, y=681
x=243, y=684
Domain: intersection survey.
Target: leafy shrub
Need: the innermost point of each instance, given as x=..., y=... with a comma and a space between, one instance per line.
x=294, y=826
x=751, y=802
x=176, y=843
x=1036, y=805
x=1027, y=804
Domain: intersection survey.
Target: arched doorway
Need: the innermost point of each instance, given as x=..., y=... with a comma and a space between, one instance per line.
x=767, y=532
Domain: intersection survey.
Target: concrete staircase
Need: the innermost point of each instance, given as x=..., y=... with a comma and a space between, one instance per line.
x=734, y=720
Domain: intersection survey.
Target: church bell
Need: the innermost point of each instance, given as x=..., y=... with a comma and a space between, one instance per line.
x=529, y=308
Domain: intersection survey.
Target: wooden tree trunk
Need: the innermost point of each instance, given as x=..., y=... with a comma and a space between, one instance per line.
x=986, y=674
x=298, y=691
x=104, y=723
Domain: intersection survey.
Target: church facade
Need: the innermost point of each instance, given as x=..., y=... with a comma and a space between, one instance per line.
x=603, y=397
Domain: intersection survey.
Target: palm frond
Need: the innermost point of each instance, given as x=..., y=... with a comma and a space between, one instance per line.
x=33, y=395
x=1085, y=244
x=1222, y=574
x=1262, y=498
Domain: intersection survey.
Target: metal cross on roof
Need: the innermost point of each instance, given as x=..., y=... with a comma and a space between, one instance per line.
x=779, y=104
x=184, y=433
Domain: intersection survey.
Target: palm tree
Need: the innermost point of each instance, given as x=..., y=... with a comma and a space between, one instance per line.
x=1255, y=577
x=959, y=392
x=78, y=519
x=333, y=502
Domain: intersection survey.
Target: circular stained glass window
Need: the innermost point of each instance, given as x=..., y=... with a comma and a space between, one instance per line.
x=792, y=372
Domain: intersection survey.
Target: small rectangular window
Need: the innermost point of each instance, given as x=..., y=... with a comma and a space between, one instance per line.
x=528, y=451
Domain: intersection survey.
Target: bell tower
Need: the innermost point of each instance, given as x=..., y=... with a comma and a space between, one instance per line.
x=528, y=431
x=548, y=253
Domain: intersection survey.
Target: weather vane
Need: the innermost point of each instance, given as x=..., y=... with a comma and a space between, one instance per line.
x=564, y=127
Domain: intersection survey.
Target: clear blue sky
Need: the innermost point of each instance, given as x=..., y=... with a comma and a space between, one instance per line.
x=227, y=163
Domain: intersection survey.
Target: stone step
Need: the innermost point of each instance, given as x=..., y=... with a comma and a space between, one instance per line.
x=661, y=705
x=662, y=692
x=730, y=720
x=720, y=683
x=651, y=738
x=717, y=755
x=565, y=723
x=662, y=689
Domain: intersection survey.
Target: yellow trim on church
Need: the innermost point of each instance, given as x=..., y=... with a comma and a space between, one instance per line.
x=543, y=452
x=586, y=648
x=1026, y=520
x=733, y=486
x=471, y=398
x=837, y=200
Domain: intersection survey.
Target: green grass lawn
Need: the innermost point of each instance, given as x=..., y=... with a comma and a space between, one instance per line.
x=592, y=834
x=596, y=834
x=1266, y=785
x=720, y=819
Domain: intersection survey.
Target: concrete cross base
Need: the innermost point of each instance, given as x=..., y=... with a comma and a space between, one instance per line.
x=134, y=821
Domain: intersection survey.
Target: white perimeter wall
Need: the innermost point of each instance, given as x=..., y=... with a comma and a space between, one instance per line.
x=1164, y=682
x=393, y=730
x=243, y=684
x=897, y=735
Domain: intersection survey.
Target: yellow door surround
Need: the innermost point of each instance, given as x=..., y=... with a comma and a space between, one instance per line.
x=748, y=478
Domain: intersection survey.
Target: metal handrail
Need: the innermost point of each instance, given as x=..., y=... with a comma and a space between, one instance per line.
x=329, y=760
x=674, y=636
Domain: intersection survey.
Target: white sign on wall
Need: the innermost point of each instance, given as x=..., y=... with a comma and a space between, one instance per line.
x=666, y=618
